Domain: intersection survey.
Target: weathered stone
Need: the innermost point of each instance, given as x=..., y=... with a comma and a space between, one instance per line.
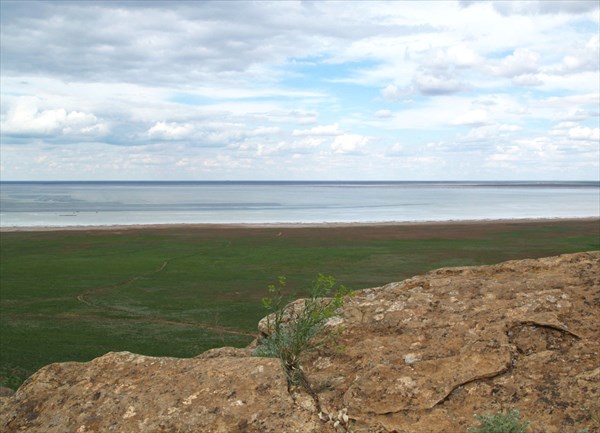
x=521, y=334
x=123, y=392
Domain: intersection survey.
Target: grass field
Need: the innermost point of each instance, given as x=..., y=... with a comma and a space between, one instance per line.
x=177, y=291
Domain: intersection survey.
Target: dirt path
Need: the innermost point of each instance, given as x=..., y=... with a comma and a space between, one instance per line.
x=84, y=299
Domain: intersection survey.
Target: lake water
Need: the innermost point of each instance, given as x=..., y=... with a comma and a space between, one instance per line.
x=108, y=203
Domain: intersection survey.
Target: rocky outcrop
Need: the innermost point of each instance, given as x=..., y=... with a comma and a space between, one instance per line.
x=421, y=355
x=220, y=392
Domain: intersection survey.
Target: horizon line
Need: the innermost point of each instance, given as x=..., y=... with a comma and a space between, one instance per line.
x=300, y=181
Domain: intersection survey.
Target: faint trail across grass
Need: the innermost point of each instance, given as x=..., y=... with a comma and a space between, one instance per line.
x=102, y=290
x=84, y=298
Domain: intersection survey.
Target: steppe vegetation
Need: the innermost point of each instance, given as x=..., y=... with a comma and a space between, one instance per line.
x=75, y=295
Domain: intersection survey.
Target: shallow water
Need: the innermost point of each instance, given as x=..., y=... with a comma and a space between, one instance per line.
x=58, y=204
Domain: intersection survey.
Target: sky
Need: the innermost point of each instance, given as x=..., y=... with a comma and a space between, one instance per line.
x=300, y=90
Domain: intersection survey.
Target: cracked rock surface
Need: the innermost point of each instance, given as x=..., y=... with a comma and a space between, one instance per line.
x=221, y=391
x=421, y=355
x=427, y=353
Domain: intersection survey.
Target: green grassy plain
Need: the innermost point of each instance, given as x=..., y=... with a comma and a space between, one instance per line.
x=178, y=291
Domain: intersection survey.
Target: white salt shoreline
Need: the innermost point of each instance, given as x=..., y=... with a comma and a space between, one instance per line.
x=192, y=226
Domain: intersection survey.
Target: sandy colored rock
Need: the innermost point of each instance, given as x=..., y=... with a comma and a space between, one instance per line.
x=422, y=356
x=519, y=335
x=124, y=392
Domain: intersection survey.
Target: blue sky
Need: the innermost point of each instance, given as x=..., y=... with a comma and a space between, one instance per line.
x=404, y=90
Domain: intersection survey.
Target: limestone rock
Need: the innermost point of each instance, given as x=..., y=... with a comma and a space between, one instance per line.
x=422, y=355
x=124, y=392
x=521, y=334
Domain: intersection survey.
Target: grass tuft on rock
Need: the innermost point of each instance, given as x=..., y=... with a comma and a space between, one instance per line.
x=500, y=423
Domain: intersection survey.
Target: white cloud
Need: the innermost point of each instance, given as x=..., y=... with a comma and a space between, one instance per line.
x=521, y=61
x=429, y=115
x=574, y=113
x=527, y=80
x=457, y=55
x=420, y=163
x=171, y=131
x=396, y=149
x=488, y=133
x=510, y=155
x=25, y=117
x=383, y=114
x=573, y=63
x=577, y=100
x=349, y=143
x=432, y=84
x=585, y=58
x=303, y=145
x=564, y=125
x=472, y=117
x=584, y=133
x=565, y=108
x=321, y=130
x=266, y=130
x=393, y=92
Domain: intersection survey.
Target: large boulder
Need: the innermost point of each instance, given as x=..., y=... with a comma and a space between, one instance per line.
x=426, y=354
x=223, y=391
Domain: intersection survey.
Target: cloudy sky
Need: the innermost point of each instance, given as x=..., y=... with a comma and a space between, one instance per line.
x=300, y=90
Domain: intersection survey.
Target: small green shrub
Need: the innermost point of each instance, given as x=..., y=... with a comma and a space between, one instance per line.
x=500, y=423
x=295, y=331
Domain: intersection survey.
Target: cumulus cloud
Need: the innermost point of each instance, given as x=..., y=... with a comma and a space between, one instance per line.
x=26, y=118
x=437, y=73
x=397, y=149
x=383, y=114
x=349, y=143
x=586, y=58
x=471, y=117
x=433, y=84
x=574, y=113
x=578, y=100
x=521, y=61
x=266, y=130
x=527, y=80
x=576, y=131
x=488, y=133
x=584, y=133
x=209, y=133
x=304, y=145
x=171, y=131
x=457, y=55
x=392, y=92
x=333, y=129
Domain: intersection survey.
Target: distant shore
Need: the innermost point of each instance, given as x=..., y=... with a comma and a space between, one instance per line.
x=241, y=226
